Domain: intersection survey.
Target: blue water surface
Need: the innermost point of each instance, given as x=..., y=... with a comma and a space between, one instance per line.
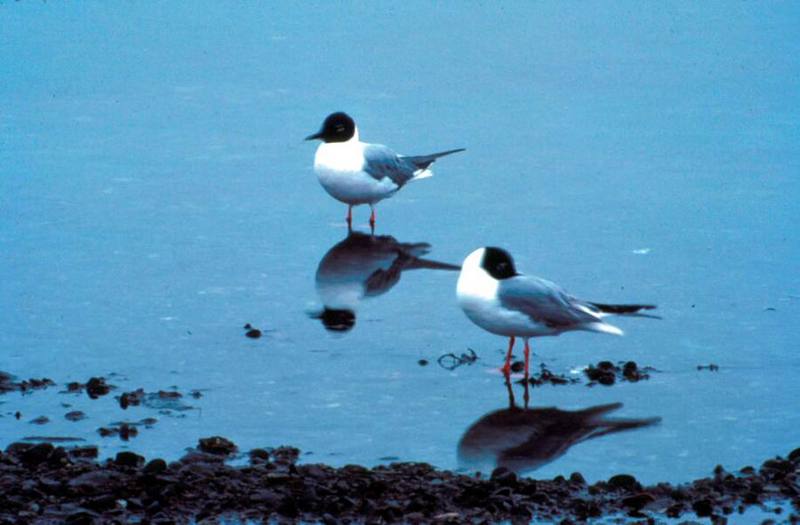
x=156, y=195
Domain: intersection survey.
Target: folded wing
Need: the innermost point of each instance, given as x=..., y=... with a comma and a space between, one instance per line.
x=544, y=302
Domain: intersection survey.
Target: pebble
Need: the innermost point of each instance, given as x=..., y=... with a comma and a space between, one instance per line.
x=253, y=333
x=75, y=415
x=97, y=387
x=216, y=445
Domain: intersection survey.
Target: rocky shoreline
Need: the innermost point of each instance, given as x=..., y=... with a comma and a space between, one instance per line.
x=43, y=483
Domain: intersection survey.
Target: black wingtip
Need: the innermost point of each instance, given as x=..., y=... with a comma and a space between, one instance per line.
x=423, y=161
x=448, y=152
x=622, y=309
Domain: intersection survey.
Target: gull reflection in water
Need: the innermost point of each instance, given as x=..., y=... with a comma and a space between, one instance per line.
x=363, y=266
x=525, y=439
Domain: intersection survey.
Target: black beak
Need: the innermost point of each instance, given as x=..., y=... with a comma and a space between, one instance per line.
x=315, y=136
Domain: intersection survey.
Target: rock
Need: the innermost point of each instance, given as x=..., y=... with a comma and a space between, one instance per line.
x=217, y=445
x=133, y=398
x=129, y=459
x=288, y=456
x=624, y=481
x=35, y=384
x=703, y=508
x=37, y=454
x=97, y=387
x=75, y=415
x=638, y=501
x=675, y=510
x=82, y=517
x=503, y=476
x=155, y=466
x=259, y=455
x=577, y=477
x=94, y=481
x=83, y=452
x=630, y=371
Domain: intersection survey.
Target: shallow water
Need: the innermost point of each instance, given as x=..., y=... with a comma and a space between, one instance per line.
x=156, y=195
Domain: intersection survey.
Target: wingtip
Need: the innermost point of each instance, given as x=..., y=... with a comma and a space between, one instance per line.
x=605, y=328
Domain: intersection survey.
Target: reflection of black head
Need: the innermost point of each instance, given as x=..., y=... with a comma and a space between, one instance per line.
x=498, y=263
x=338, y=320
x=338, y=127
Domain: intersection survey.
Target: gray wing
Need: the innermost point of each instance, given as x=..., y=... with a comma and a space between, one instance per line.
x=544, y=302
x=381, y=162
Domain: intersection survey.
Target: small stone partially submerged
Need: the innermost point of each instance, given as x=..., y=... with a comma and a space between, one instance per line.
x=125, y=431
x=251, y=331
x=95, y=387
x=607, y=373
x=74, y=415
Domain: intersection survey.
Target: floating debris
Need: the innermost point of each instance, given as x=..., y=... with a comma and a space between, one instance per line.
x=547, y=377
x=452, y=361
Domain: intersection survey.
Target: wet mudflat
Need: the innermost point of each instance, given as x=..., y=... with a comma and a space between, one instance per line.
x=171, y=270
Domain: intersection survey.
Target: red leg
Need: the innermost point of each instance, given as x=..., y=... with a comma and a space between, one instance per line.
x=507, y=366
x=527, y=357
x=349, y=217
x=372, y=218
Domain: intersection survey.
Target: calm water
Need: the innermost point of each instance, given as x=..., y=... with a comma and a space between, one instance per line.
x=156, y=195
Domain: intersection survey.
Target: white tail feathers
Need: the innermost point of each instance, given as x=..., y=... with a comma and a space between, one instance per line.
x=604, y=328
x=422, y=174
